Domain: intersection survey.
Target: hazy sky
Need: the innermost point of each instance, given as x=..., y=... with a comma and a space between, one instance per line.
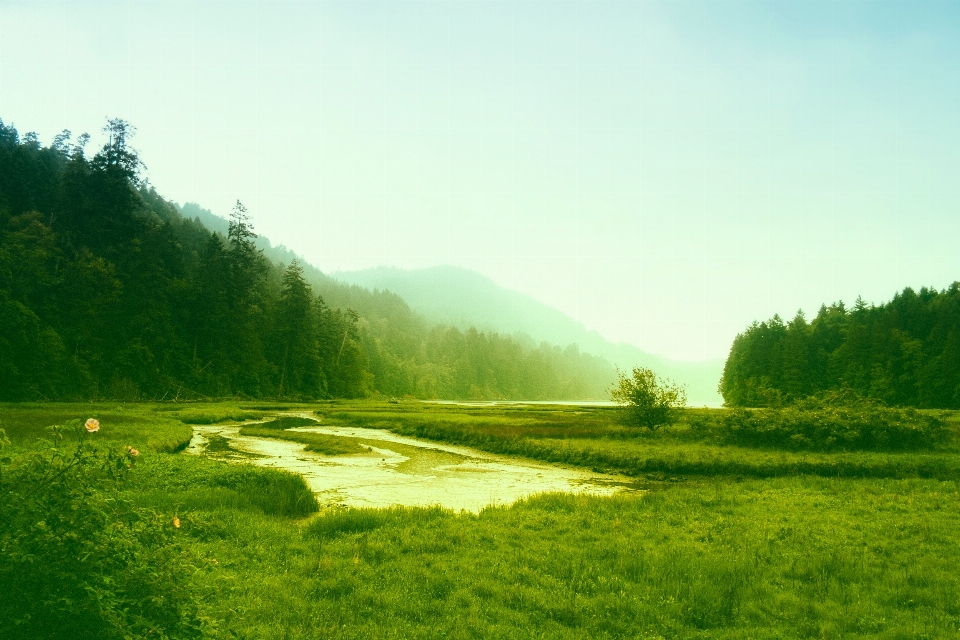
x=666, y=172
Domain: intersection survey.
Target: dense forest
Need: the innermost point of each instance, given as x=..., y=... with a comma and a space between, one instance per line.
x=107, y=290
x=905, y=352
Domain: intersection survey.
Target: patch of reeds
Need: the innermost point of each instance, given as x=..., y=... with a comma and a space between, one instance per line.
x=215, y=415
x=316, y=442
x=287, y=422
x=592, y=438
x=209, y=484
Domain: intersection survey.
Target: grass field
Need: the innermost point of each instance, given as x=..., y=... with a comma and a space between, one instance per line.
x=592, y=437
x=736, y=542
x=797, y=557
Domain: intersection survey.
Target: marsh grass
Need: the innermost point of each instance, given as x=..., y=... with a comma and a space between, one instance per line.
x=220, y=445
x=287, y=422
x=194, y=482
x=316, y=442
x=215, y=414
x=731, y=555
x=783, y=558
x=129, y=424
x=816, y=424
x=170, y=480
x=593, y=437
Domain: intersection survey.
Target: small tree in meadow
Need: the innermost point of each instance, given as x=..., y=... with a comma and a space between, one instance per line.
x=648, y=401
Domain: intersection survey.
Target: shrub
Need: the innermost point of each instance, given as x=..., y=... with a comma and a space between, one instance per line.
x=648, y=401
x=832, y=421
x=77, y=560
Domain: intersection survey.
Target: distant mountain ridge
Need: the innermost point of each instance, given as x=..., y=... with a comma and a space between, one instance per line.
x=464, y=298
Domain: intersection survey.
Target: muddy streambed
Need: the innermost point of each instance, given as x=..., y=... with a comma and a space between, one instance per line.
x=396, y=470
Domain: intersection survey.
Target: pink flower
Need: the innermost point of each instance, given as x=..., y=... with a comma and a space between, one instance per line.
x=92, y=425
x=133, y=453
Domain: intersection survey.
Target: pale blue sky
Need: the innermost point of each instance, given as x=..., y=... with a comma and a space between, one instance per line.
x=665, y=172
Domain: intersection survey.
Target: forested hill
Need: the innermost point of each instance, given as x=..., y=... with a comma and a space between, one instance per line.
x=106, y=290
x=463, y=298
x=905, y=352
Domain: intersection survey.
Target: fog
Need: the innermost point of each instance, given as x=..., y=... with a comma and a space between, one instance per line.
x=663, y=172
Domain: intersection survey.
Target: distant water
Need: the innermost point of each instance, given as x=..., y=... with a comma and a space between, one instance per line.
x=569, y=403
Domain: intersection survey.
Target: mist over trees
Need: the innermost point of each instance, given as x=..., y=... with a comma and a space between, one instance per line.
x=107, y=291
x=462, y=298
x=905, y=352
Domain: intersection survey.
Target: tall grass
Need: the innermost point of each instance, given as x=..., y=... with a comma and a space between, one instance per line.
x=789, y=556
x=126, y=424
x=171, y=480
x=215, y=414
x=784, y=558
x=287, y=422
x=316, y=442
x=592, y=437
x=192, y=482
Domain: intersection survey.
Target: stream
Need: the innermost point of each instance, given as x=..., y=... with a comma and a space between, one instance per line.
x=400, y=471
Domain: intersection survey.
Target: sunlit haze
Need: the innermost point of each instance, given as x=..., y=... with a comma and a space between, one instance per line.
x=665, y=172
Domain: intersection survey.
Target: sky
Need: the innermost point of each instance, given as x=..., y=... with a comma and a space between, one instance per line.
x=666, y=172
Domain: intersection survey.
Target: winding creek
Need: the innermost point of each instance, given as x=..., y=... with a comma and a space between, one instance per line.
x=400, y=471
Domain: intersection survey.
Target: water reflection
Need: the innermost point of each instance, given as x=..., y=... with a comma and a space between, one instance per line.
x=396, y=470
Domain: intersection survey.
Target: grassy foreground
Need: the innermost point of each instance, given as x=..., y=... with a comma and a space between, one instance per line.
x=738, y=545
x=785, y=558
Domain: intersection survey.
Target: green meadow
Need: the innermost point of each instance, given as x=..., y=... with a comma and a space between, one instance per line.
x=729, y=541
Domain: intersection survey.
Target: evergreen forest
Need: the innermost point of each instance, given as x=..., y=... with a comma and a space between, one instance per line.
x=107, y=290
x=905, y=352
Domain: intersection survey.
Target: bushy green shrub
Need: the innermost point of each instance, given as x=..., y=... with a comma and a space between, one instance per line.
x=77, y=560
x=832, y=421
x=648, y=401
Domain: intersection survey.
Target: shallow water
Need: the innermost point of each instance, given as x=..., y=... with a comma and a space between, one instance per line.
x=397, y=470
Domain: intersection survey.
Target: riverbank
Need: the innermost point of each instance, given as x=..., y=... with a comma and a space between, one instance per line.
x=592, y=437
x=376, y=468
x=704, y=556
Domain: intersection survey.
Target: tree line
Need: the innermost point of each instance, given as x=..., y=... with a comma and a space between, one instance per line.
x=905, y=352
x=107, y=291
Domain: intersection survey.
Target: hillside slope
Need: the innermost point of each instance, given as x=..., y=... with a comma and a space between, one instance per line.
x=438, y=355
x=464, y=298
x=109, y=291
